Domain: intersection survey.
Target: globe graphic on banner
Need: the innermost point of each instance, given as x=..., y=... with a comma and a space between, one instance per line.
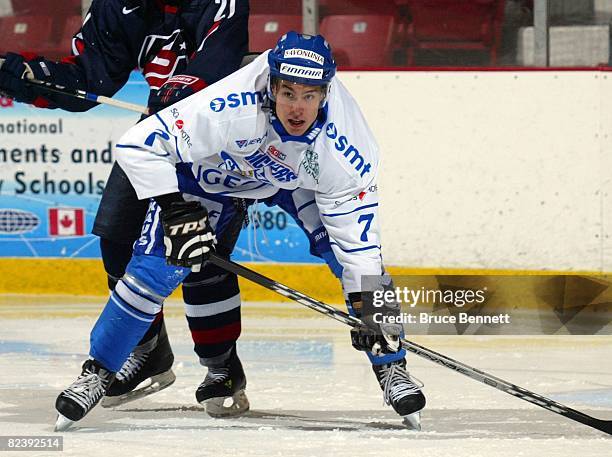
x=16, y=221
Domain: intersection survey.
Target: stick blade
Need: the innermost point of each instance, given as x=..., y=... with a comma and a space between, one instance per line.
x=604, y=426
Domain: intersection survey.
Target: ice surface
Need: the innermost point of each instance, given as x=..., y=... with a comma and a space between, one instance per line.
x=311, y=394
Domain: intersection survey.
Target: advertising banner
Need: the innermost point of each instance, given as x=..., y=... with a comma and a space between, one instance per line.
x=54, y=168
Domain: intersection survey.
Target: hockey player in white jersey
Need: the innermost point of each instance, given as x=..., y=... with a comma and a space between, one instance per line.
x=281, y=126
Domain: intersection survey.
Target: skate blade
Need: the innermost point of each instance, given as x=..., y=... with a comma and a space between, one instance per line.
x=147, y=387
x=215, y=406
x=413, y=421
x=62, y=423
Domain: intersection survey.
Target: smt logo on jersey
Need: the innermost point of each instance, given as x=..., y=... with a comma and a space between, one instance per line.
x=234, y=100
x=349, y=151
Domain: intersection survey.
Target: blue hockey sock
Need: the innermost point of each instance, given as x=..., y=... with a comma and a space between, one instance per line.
x=117, y=332
x=387, y=358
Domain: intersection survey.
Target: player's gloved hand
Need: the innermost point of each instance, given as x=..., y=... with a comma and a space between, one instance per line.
x=376, y=338
x=13, y=79
x=176, y=88
x=378, y=335
x=188, y=237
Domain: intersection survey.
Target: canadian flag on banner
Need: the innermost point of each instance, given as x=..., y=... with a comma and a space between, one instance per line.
x=66, y=221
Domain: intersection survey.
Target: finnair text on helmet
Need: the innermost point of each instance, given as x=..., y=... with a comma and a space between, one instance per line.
x=349, y=151
x=305, y=72
x=304, y=54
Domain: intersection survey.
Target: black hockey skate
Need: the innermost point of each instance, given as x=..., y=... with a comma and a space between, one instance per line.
x=84, y=393
x=147, y=370
x=401, y=391
x=221, y=383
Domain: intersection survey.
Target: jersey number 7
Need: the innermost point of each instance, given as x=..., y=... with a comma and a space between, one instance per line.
x=367, y=218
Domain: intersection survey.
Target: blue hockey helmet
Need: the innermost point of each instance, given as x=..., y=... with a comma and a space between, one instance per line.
x=303, y=59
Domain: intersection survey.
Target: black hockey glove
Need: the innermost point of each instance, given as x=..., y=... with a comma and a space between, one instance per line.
x=188, y=236
x=176, y=88
x=378, y=334
x=13, y=79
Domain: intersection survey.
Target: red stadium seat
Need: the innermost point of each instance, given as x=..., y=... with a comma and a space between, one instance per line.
x=289, y=7
x=266, y=29
x=25, y=33
x=46, y=8
x=71, y=26
x=455, y=24
x=335, y=7
x=360, y=40
x=59, y=13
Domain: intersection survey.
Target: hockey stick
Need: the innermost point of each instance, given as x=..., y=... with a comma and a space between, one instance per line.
x=478, y=375
x=100, y=99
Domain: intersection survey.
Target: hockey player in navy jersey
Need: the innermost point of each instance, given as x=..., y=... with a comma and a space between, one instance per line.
x=282, y=128
x=180, y=46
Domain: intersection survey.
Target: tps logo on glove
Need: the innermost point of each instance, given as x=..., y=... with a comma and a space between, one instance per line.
x=187, y=227
x=188, y=236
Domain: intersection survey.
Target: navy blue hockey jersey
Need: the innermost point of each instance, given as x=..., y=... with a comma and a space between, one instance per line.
x=203, y=38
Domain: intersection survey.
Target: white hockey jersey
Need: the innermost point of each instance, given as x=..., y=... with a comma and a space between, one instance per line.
x=235, y=146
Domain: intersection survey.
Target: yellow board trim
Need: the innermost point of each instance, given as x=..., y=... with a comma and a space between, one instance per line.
x=86, y=277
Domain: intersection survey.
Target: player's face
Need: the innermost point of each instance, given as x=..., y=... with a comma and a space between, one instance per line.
x=297, y=105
